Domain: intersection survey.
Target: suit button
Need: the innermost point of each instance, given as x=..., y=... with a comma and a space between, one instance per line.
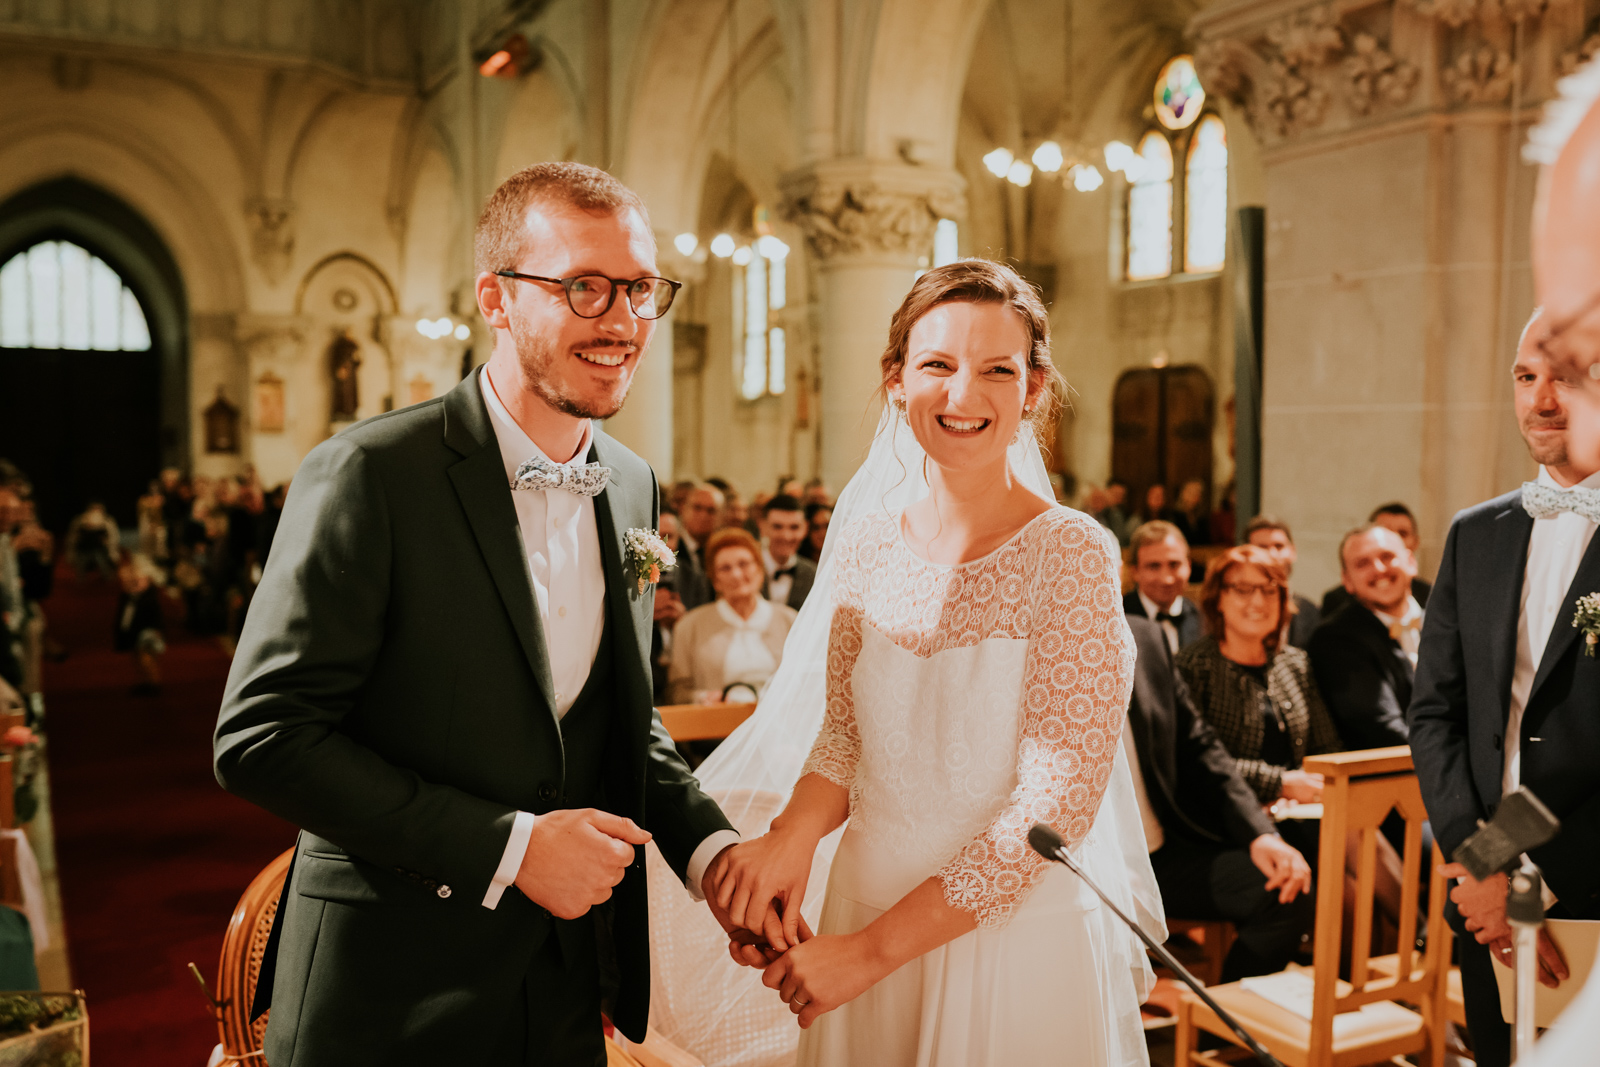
x=444, y=892
x=547, y=791
x=1497, y=742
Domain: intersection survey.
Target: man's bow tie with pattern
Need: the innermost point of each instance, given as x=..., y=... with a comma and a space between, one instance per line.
x=1543, y=501
x=580, y=479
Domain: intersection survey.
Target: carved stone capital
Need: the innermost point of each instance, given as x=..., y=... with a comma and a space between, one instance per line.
x=272, y=226
x=862, y=208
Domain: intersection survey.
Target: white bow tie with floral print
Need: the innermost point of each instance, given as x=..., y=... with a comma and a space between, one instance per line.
x=580, y=479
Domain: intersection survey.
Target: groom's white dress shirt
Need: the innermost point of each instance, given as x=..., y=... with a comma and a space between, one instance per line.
x=562, y=543
x=1554, y=552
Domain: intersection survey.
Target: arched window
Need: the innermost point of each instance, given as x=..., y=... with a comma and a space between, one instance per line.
x=1205, y=190
x=760, y=287
x=1150, y=211
x=57, y=295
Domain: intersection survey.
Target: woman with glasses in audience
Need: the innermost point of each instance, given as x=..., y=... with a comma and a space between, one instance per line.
x=1259, y=695
x=728, y=649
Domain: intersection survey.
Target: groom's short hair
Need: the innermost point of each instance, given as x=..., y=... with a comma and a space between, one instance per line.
x=498, y=241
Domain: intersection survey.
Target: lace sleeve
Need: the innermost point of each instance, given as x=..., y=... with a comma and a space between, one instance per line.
x=837, y=749
x=1076, y=681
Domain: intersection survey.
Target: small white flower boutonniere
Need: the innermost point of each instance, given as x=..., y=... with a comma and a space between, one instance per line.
x=1587, y=620
x=648, y=556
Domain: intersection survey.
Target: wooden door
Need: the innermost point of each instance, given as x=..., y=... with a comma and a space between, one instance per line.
x=1161, y=420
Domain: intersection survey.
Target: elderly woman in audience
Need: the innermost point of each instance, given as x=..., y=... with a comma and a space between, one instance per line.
x=1261, y=698
x=737, y=640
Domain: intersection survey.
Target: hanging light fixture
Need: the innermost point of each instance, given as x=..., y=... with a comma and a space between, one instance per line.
x=1048, y=158
x=1020, y=174
x=686, y=243
x=1086, y=177
x=722, y=245
x=998, y=162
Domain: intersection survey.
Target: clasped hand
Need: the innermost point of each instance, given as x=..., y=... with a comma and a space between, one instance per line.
x=1483, y=908
x=575, y=857
x=758, y=887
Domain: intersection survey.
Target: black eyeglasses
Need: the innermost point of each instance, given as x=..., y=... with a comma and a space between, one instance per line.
x=591, y=295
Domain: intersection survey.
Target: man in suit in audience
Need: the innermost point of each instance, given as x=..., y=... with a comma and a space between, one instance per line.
x=789, y=575
x=1160, y=571
x=1273, y=534
x=1365, y=654
x=1397, y=517
x=1505, y=695
x=1215, y=852
x=696, y=521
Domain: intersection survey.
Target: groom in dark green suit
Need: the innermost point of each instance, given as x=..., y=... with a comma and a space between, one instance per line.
x=443, y=680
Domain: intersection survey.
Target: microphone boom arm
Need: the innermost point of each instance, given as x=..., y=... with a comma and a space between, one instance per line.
x=1048, y=844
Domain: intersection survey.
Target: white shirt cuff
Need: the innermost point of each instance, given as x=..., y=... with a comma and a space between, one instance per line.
x=510, y=859
x=703, y=855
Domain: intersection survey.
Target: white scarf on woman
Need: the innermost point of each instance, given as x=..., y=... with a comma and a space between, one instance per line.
x=748, y=659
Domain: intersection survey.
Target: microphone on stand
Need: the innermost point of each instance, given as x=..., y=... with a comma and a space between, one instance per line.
x=1047, y=843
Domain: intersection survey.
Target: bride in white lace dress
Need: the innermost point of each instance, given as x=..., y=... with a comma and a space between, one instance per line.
x=977, y=677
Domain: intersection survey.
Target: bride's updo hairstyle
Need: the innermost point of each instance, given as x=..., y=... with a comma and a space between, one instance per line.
x=980, y=281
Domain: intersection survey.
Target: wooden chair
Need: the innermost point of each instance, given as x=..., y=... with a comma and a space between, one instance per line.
x=703, y=722
x=1215, y=940
x=240, y=967
x=1360, y=790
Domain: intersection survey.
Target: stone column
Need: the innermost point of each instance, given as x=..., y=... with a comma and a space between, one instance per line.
x=869, y=228
x=1396, y=262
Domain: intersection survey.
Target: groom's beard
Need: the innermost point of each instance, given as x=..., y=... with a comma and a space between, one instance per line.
x=538, y=356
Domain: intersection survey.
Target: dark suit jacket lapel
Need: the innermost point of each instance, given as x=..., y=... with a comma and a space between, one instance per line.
x=1563, y=633
x=1501, y=575
x=1396, y=664
x=485, y=495
x=615, y=510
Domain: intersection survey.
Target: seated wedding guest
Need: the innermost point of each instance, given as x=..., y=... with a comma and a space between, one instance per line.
x=1160, y=571
x=1392, y=516
x=1364, y=655
x=1273, y=534
x=93, y=542
x=735, y=512
x=668, y=609
x=1216, y=853
x=1257, y=693
x=789, y=575
x=1114, y=515
x=1223, y=521
x=697, y=520
x=1190, y=513
x=789, y=485
x=1155, y=505
x=818, y=516
x=735, y=640
x=138, y=622
x=817, y=492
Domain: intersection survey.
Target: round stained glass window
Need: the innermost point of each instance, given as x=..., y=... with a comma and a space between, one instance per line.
x=1179, y=94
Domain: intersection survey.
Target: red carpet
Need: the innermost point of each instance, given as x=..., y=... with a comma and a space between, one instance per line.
x=152, y=853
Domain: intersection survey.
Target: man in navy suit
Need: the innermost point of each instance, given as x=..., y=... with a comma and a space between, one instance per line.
x=1160, y=571
x=1504, y=694
x=1365, y=655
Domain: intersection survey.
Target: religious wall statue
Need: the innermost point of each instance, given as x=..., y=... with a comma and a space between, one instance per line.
x=269, y=404
x=344, y=360
x=222, y=425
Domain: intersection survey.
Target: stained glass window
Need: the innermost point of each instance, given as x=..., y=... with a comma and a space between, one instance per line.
x=1205, y=191
x=1179, y=94
x=1150, y=211
x=58, y=295
x=761, y=286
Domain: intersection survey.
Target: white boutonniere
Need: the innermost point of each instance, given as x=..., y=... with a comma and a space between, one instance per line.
x=1587, y=620
x=648, y=556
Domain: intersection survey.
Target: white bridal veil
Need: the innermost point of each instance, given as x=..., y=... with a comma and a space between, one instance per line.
x=719, y=1010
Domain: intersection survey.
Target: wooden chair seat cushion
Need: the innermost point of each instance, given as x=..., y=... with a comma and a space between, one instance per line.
x=1287, y=1034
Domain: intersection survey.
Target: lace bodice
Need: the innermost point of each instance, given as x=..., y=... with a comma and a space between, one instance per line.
x=1042, y=692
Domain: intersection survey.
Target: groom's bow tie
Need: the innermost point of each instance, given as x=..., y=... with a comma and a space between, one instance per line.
x=580, y=479
x=1543, y=501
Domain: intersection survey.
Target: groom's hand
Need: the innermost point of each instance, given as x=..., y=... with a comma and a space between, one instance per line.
x=575, y=857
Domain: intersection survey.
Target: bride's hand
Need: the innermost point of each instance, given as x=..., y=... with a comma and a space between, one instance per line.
x=823, y=973
x=751, y=876
x=752, y=950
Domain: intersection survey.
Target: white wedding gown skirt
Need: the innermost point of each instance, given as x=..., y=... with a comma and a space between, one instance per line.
x=1058, y=982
